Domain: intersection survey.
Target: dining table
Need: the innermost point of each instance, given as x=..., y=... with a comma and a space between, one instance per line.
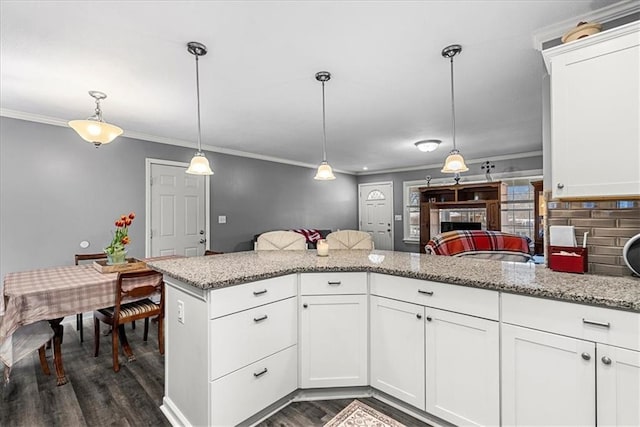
x=50, y=294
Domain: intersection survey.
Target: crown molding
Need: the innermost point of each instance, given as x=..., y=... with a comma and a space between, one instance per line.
x=605, y=14
x=54, y=121
x=471, y=161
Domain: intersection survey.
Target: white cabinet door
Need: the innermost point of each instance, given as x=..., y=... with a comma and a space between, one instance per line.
x=333, y=341
x=618, y=386
x=462, y=368
x=397, y=349
x=595, y=105
x=547, y=379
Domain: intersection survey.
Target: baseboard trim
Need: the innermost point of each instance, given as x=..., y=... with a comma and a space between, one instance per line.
x=173, y=414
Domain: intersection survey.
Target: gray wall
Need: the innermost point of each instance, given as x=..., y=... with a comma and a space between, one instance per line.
x=57, y=190
x=501, y=166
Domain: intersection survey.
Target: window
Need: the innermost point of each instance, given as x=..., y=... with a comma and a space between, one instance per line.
x=517, y=210
x=411, y=203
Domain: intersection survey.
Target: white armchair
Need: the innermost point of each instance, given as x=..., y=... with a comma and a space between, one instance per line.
x=280, y=240
x=350, y=239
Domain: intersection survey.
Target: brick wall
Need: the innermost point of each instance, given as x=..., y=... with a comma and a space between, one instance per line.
x=610, y=224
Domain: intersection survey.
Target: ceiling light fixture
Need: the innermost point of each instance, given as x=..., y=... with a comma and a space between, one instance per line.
x=454, y=162
x=95, y=129
x=428, y=145
x=325, y=172
x=199, y=164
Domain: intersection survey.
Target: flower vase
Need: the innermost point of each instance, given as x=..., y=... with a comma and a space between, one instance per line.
x=115, y=258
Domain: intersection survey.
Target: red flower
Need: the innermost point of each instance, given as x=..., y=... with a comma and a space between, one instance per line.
x=123, y=217
x=125, y=240
x=132, y=216
x=127, y=222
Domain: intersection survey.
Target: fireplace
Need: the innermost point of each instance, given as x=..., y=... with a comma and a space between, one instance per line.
x=459, y=225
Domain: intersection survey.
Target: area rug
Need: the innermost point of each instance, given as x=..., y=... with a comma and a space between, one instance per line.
x=358, y=414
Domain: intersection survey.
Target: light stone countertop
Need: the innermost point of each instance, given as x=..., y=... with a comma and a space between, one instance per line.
x=218, y=271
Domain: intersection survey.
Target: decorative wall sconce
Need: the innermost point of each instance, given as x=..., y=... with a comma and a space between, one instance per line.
x=487, y=166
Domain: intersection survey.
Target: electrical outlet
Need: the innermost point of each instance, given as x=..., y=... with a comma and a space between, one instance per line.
x=180, y=311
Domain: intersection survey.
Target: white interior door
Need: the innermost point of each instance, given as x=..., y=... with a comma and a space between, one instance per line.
x=376, y=213
x=177, y=220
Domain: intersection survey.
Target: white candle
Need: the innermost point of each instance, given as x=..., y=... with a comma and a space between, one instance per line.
x=323, y=247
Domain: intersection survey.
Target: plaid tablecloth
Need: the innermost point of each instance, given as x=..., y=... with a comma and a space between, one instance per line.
x=50, y=293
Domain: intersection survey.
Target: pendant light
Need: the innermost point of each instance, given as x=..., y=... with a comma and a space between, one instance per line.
x=199, y=164
x=325, y=173
x=454, y=162
x=95, y=129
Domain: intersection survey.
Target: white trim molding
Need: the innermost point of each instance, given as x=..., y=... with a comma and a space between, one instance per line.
x=605, y=14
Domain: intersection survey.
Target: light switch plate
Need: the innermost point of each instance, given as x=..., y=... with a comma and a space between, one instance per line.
x=398, y=217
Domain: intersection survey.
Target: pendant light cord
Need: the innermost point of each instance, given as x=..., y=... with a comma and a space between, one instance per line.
x=453, y=108
x=198, y=98
x=324, y=129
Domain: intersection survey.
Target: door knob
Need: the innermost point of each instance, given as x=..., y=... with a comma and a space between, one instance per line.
x=419, y=316
x=586, y=356
x=201, y=231
x=203, y=241
x=305, y=305
x=606, y=360
x=560, y=186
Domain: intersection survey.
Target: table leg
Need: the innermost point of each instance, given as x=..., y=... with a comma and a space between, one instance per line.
x=58, y=331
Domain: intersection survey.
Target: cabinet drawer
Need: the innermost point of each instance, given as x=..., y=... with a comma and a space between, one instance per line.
x=603, y=325
x=241, y=297
x=333, y=283
x=461, y=299
x=242, y=338
x=239, y=395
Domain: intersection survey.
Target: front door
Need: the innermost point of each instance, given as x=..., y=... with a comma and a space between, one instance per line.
x=376, y=213
x=177, y=223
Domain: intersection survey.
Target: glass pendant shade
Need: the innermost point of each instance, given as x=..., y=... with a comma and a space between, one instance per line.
x=454, y=163
x=325, y=173
x=199, y=165
x=95, y=131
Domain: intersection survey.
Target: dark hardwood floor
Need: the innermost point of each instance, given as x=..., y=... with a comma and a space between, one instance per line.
x=97, y=396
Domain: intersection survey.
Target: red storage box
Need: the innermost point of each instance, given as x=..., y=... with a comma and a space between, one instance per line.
x=560, y=259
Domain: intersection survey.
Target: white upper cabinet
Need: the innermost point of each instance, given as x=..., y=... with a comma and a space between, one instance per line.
x=595, y=114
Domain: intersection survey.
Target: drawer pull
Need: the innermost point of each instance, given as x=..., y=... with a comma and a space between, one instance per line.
x=593, y=322
x=429, y=319
x=261, y=373
x=586, y=356
x=305, y=305
x=256, y=293
x=429, y=293
x=334, y=283
x=606, y=360
x=260, y=319
x=419, y=316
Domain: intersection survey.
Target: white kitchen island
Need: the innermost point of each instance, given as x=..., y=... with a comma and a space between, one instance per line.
x=445, y=339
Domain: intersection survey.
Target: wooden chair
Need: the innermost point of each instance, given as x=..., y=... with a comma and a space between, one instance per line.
x=78, y=258
x=208, y=252
x=137, y=286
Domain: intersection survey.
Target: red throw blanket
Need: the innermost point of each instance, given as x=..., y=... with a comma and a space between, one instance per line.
x=457, y=242
x=312, y=235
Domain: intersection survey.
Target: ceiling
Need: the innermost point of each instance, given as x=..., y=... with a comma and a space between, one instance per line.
x=390, y=86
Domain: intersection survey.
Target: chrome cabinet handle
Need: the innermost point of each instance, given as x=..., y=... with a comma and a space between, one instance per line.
x=586, y=356
x=606, y=360
x=429, y=319
x=256, y=293
x=260, y=319
x=419, y=316
x=261, y=373
x=429, y=293
x=560, y=185
x=593, y=322
x=334, y=283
